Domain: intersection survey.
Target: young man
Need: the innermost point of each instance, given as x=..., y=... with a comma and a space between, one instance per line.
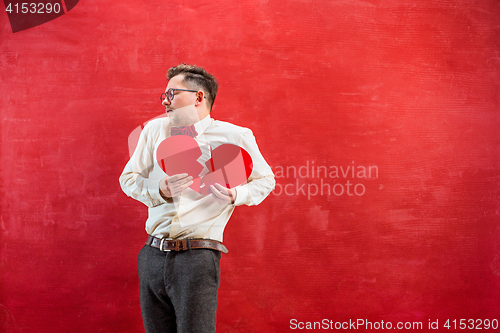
x=179, y=270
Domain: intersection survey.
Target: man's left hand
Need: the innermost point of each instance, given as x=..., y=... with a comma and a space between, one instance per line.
x=222, y=194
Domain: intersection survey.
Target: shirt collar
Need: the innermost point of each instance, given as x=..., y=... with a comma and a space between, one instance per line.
x=203, y=124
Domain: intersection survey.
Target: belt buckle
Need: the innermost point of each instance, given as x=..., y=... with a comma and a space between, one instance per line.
x=161, y=246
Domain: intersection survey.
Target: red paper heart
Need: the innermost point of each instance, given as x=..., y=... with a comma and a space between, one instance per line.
x=229, y=166
x=25, y=15
x=178, y=154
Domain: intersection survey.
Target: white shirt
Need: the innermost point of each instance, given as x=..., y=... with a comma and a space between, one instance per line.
x=192, y=214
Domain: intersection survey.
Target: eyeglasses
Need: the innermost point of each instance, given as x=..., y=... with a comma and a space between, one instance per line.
x=169, y=95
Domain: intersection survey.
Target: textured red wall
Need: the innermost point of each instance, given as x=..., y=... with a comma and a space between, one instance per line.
x=408, y=88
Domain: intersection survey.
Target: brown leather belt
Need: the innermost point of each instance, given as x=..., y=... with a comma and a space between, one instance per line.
x=185, y=244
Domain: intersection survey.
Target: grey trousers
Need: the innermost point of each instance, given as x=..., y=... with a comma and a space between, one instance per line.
x=178, y=290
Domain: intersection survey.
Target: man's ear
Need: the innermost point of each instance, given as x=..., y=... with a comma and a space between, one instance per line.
x=199, y=96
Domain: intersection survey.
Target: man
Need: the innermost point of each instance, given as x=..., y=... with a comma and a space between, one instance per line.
x=179, y=265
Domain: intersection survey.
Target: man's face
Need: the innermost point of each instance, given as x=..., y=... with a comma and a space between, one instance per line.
x=181, y=109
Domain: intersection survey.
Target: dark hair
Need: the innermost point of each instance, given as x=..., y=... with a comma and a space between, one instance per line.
x=196, y=78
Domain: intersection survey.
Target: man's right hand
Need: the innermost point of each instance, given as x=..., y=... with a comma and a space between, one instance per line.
x=173, y=186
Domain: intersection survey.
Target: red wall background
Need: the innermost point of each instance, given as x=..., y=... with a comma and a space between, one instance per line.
x=409, y=87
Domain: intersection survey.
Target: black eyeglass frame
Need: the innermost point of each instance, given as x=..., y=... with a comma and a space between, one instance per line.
x=170, y=94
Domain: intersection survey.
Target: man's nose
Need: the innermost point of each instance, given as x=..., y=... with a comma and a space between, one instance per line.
x=165, y=102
